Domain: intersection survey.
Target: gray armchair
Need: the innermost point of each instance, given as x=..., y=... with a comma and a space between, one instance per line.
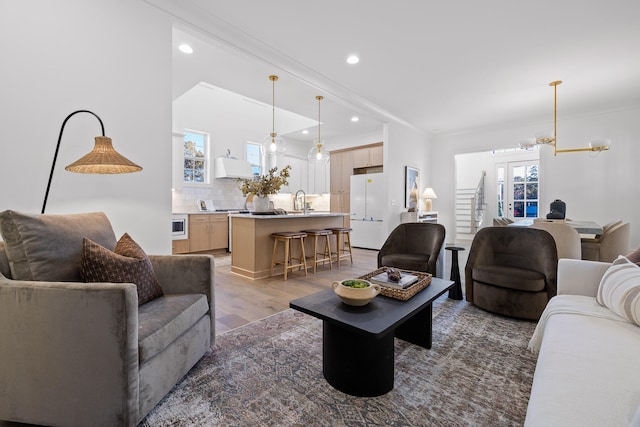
x=606, y=247
x=512, y=271
x=566, y=237
x=413, y=246
x=80, y=354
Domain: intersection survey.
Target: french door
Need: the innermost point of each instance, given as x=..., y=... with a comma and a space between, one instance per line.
x=518, y=186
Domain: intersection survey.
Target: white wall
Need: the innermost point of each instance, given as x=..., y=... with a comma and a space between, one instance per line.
x=595, y=187
x=405, y=147
x=110, y=57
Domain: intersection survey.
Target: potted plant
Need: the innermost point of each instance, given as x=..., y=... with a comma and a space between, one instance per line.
x=262, y=186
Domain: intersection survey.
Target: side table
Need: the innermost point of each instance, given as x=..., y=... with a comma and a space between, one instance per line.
x=456, y=291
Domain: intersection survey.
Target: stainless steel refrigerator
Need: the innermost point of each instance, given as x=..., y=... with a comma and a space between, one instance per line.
x=368, y=210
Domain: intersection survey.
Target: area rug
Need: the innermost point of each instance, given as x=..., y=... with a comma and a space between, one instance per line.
x=269, y=373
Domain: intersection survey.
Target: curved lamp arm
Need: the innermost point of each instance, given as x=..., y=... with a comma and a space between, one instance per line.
x=55, y=156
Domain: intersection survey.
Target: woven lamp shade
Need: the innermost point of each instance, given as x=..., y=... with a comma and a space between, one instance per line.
x=103, y=159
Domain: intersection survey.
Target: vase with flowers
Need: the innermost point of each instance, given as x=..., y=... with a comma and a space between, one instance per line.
x=262, y=186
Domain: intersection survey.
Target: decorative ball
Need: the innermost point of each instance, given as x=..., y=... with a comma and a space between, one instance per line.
x=394, y=274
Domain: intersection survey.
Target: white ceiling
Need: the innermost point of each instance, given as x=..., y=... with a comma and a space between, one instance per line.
x=440, y=67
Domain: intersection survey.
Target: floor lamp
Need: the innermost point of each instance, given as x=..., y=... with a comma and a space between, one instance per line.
x=103, y=159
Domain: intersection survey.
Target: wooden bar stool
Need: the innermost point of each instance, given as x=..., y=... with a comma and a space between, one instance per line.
x=326, y=251
x=343, y=235
x=286, y=237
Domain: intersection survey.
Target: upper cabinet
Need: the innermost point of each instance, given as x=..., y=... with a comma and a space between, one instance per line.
x=318, y=177
x=340, y=171
x=298, y=179
x=367, y=157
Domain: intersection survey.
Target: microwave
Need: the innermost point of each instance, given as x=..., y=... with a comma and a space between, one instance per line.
x=180, y=227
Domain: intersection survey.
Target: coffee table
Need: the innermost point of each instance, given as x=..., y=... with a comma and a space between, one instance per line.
x=357, y=342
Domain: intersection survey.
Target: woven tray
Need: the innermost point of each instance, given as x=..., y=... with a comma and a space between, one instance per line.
x=424, y=280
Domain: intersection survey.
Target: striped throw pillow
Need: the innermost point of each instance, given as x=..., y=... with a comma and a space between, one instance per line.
x=619, y=289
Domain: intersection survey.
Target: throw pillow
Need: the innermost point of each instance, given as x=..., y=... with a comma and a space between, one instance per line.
x=128, y=263
x=619, y=289
x=634, y=256
x=47, y=247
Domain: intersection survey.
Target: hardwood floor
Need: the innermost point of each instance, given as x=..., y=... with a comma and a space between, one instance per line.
x=240, y=301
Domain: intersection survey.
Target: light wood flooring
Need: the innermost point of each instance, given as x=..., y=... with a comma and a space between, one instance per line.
x=240, y=301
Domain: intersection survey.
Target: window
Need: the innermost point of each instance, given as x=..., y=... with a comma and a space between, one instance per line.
x=500, y=190
x=254, y=157
x=196, y=157
x=525, y=191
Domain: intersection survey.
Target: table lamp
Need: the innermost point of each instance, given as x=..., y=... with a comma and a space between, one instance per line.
x=428, y=195
x=103, y=159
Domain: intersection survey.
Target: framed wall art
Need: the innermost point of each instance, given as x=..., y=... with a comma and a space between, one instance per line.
x=412, y=185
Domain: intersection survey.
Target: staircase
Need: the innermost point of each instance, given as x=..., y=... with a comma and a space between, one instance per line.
x=470, y=210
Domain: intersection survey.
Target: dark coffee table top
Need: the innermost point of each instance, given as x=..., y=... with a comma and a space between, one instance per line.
x=378, y=317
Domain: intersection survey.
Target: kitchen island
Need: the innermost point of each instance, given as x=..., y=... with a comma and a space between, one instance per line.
x=252, y=243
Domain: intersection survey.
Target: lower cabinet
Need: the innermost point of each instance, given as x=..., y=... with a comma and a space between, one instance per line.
x=180, y=246
x=208, y=232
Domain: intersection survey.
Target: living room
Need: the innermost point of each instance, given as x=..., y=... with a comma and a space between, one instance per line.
x=115, y=58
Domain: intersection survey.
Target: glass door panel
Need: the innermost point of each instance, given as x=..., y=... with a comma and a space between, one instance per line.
x=523, y=190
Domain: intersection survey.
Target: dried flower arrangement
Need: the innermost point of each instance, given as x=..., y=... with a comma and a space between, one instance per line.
x=265, y=184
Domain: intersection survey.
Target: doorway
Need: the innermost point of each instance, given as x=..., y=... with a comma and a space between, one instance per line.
x=506, y=173
x=518, y=188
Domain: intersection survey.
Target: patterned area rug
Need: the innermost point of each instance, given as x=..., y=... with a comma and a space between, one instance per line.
x=269, y=373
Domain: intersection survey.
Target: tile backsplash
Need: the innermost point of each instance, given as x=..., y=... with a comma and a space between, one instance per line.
x=226, y=195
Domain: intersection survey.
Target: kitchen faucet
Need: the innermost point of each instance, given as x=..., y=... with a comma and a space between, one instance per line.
x=304, y=200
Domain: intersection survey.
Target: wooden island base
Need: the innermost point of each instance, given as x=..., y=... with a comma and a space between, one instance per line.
x=252, y=244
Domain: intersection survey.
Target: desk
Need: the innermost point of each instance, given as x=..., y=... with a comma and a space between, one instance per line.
x=582, y=227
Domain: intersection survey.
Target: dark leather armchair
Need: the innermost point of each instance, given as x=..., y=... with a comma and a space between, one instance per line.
x=512, y=271
x=413, y=246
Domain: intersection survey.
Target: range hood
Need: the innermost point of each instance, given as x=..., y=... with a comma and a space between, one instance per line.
x=226, y=167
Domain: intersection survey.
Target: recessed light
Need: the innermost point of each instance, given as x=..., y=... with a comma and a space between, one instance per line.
x=353, y=59
x=185, y=48
x=305, y=131
x=355, y=118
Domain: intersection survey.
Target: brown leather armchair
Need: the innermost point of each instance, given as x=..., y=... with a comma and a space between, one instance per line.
x=512, y=271
x=413, y=246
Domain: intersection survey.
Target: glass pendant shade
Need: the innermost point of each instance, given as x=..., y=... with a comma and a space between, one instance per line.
x=318, y=153
x=274, y=144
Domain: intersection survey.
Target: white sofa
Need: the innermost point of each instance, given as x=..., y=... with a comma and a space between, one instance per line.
x=587, y=372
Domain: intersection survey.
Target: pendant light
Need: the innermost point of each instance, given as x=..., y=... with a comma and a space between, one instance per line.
x=318, y=153
x=596, y=145
x=273, y=143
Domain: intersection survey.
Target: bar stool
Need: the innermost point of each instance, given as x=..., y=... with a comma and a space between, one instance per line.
x=326, y=251
x=344, y=250
x=286, y=237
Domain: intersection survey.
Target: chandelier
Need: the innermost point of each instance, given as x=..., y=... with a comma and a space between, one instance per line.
x=596, y=145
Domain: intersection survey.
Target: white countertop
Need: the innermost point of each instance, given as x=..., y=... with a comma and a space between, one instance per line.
x=291, y=215
x=200, y=213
